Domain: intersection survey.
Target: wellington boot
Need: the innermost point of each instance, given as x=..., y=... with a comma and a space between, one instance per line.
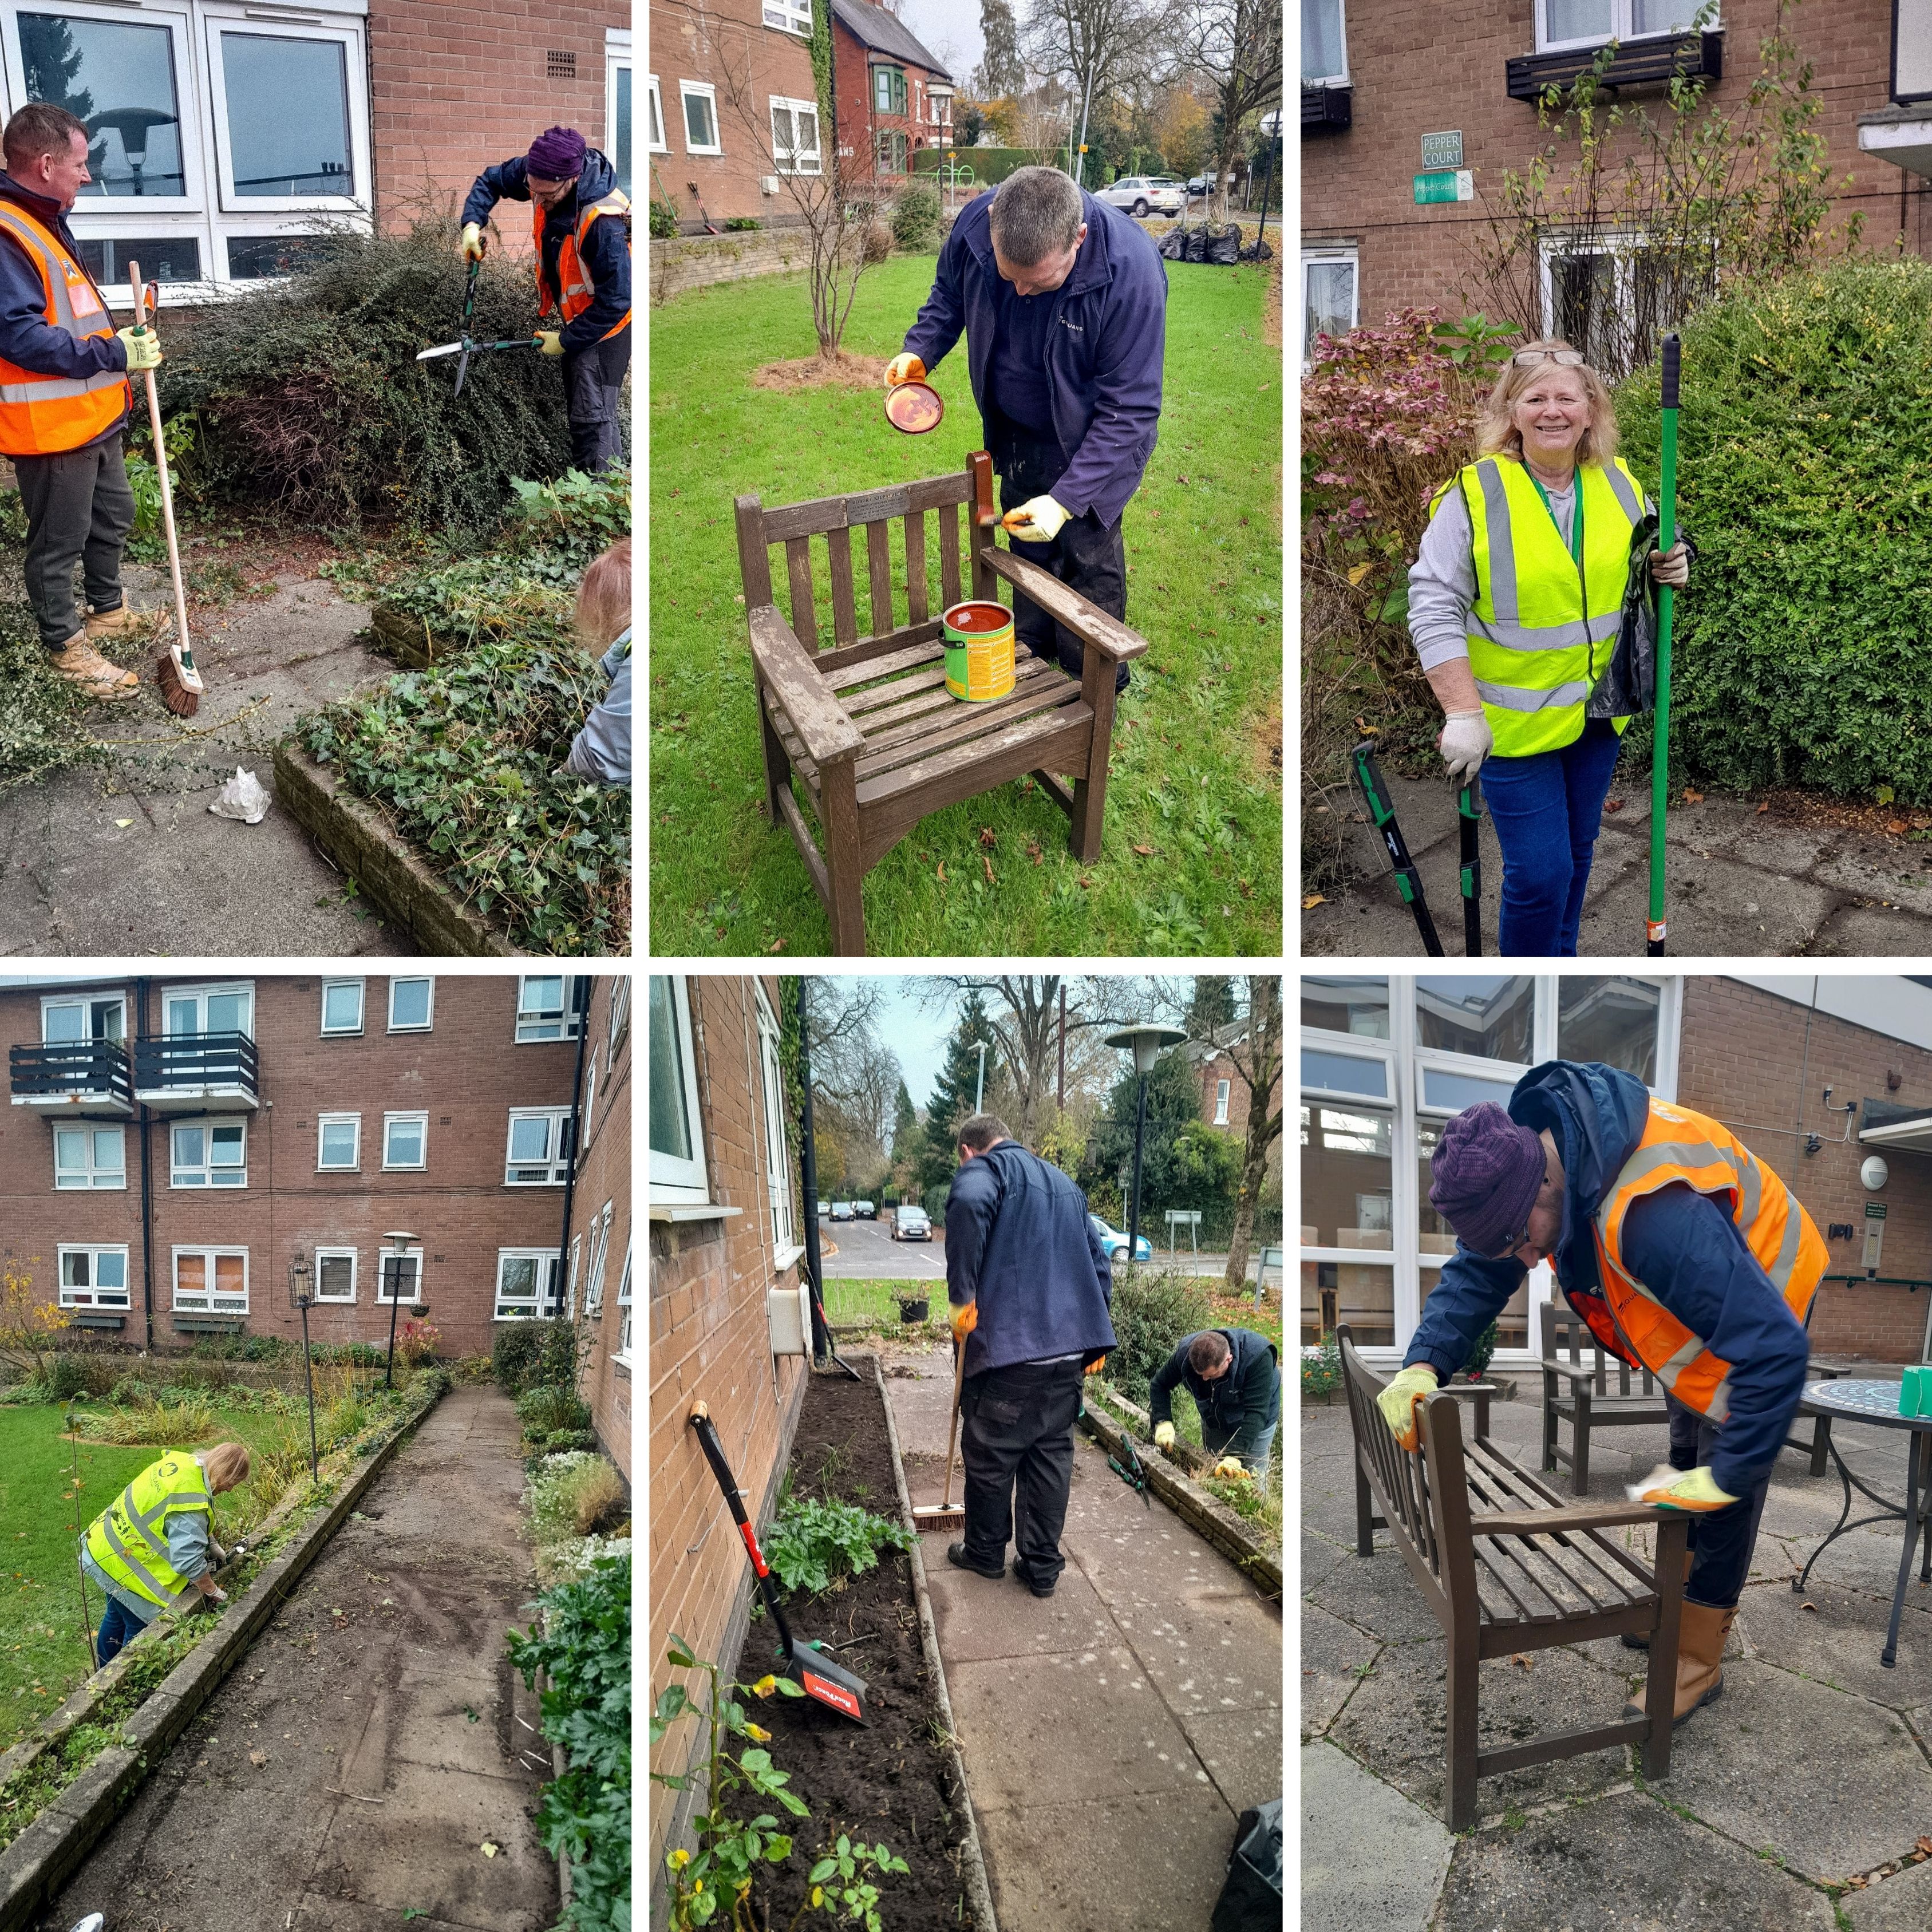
x=123, y=621
x=1700, y=1658
x=79, y=663
x=1640, y=1640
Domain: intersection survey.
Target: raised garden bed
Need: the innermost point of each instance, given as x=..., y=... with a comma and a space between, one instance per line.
x=896, y=1779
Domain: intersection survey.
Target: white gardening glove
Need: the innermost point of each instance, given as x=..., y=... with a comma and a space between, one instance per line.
x=1672, y=566
x=1036, y=521
x=1465, y=742
x=1163, y=1435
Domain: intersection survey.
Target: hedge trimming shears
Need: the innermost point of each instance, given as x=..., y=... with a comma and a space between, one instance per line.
x=469, y=346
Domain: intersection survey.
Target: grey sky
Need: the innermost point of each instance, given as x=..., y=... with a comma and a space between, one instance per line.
x=950, y=29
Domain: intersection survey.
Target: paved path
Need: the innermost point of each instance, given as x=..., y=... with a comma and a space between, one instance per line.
x=1736, y=1836
x=394, y=1739
x=1739, y=882
x=866, y=1252
x=1112, y=1733
x=127, y=858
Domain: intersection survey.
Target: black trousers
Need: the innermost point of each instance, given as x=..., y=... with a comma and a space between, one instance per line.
x=593, y=386
x=1085, y=557
x=1016, y=1446
x=80, y=508
x=1720, y=1543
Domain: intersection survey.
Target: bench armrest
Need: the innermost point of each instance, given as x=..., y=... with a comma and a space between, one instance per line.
x=1087, y=622
x=784, y=669
x=1569, y=1516
x=1575, y=1374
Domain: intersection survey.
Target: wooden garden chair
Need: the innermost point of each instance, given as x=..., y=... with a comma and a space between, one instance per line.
x=863, y=717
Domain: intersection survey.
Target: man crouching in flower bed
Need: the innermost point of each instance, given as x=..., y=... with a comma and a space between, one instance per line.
x=602, y=749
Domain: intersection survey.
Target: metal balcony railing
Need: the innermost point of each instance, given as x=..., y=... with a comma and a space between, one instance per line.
x=195, y=1060
x=1655, y=61
x=70, y=1070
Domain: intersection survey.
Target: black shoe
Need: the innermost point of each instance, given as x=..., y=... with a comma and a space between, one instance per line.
x=1023, y=1574
x=955, y=1555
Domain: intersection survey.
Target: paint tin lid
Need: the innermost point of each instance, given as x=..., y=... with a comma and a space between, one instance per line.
x=913, y=408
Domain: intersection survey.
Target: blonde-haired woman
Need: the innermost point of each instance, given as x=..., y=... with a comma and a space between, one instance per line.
x=155, y=1540
x=1514, y=605
x=602, y=749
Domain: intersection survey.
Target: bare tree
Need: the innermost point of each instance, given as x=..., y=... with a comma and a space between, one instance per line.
x=1256, y=1054
x=1236, y=47
x=1095, y=47
x=855, y=1077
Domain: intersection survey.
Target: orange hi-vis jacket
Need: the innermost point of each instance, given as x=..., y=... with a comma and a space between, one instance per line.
x=1681, y=1146
x=42, y=415
x=577, y=292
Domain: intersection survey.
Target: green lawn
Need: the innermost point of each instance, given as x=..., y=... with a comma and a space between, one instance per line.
x=1196, y=761
x=44, y=1654
x=875, y=1303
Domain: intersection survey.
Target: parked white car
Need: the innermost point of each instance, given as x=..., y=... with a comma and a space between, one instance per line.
x=1141, y=194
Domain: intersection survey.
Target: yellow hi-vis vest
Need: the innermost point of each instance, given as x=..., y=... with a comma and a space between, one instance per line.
x=129, y=1539
x=1679, y=1145
x=1541, y=632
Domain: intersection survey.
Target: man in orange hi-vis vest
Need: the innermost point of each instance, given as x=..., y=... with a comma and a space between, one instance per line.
x=581, y=224
x=64, y=400
x=1685, y=1253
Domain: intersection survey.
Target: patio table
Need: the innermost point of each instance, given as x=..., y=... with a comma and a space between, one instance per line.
x=1876, y=1405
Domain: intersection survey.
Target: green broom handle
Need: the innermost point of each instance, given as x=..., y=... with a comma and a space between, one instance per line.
x=1660, y=761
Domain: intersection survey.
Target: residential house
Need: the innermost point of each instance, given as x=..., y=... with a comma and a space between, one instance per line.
x=893, y=96
x=600, y=1216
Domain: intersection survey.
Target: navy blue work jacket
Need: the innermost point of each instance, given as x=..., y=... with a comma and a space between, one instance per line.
x=1249, y=1391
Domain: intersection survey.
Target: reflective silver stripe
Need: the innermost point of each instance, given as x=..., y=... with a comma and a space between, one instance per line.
x=1675, y=1154
x=159, y=1590
x=1510, y=697
x=1753, y=1179
x=1503, y=597
x=1627, y=499
x=1719, y=1407
x=54, y=275
x=54, y=386
x=143, y=1524
x=1780, y=1271
x=1567, y=636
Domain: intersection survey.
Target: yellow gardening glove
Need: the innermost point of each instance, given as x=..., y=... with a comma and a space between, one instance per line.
x=1163, y=1435
x=1036, y=521
x=1696, y=1493
x=1231, y=1466
x=473, y=243
x=904, y=369
x=550, y=341
x=1397, y=1402
x=965, y=1319
x=143, y=347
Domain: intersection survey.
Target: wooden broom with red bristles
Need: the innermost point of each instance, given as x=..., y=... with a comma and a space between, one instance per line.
x=175, y=672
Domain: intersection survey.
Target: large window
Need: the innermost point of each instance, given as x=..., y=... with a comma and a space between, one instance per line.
x=1222, y=1089
x=209, y=1153
x=529, y=1284
x=795, y=149
x=1588, y=23
x=888, y=90
x=617, y=102
x=1324, y=47
x=399, y=1278
x=1329, y=296
x=547, y=1007
x=196, y=1009
x=677, y=1135
x=791, y=17
x=600, y=1254
x=67, y=1019
x=777, y=1110
x=624, y=1304
x=93, y=1277
x=284, y=139
x=539, y=1154
x=620, y=1014
x=405, y=1140
x=338, y=1143
x=1612, y=1018
x=90, y=1156
x=342, y=1006
x=654, y=129
x=210, y=1281
x=412, y=1005
x=335, y=1274
x=891, y=151
x=699, y=100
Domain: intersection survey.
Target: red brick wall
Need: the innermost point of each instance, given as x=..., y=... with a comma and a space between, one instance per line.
x=860, y=121
x=1418, y=69
x=1746, y=1059
x=723, y=44
x=709, y=1341
x=466, y=1074
x=604, y=1176
x=1212, y=1072
x=453, y=88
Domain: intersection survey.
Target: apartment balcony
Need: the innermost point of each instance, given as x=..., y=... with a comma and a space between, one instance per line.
x=1326, y=109
x=189, y=1073
x=74, y=1076
x=1657, y=61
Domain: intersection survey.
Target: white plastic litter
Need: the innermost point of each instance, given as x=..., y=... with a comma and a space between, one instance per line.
x=244, y=797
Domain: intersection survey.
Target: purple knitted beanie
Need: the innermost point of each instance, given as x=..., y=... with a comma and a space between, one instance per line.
x=1484, y=1176
x=555, y=154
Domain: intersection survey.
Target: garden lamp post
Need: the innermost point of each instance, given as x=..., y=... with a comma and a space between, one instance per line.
x=134, y=125
x=301, y=1295
x=402, y=1241
x=1145, y=1043
x=979, y=1090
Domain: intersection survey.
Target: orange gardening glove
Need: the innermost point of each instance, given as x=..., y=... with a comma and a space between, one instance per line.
x=1093, y=1367
x=965, y=1319
x=905, y=368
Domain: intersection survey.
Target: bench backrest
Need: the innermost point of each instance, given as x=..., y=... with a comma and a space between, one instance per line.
x=828, y=522
x=1567, y=1337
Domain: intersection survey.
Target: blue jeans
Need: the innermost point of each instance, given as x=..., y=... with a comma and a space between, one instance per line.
x=1547, y=809
x=1252, y=1441
x=119, y=1627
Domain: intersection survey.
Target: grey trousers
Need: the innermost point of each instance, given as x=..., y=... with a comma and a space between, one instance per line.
x=79, y=509
x=593, y=383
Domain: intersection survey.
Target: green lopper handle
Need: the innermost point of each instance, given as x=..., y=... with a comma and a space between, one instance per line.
x=1659, y=763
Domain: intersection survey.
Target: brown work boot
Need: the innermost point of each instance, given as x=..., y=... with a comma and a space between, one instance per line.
x=1700, y=1658
x=121, y=621
x=79, y=663
x=1640, y=1640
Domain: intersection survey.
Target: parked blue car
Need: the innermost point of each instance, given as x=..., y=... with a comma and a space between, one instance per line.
x=1114, y=1242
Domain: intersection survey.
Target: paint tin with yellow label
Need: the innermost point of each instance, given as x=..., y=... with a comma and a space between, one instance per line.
x=978, y=652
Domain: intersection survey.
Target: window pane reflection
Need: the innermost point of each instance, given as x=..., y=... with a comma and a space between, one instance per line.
x=1491, y=1018
x=288, y=115
x=1610, y=1018
x=119, y=79
x=1346, y=1005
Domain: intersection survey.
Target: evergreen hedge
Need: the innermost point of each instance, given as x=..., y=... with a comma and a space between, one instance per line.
x=1805, y=479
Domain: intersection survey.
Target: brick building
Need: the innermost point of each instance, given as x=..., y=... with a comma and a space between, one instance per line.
x=174, y=1146
x=600, y=1216
x=731, y=104
x=225, y=133
x=728, y=1324
x=1385, y=1061
x=1387, y=90
x=893, y=96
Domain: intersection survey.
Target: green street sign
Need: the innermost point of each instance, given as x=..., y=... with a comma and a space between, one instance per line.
x=1445, y=184
x=1442, y=150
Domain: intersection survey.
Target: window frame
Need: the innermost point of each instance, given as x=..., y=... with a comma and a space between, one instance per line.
x=385, y=1254
x=654, y=95
x=891, y=155
x=1621, y=30
x=1321, y=257
x=328, y=1032
x=349, y=38
x=323, y=1122
x=705, y=91
x=795, y=17
x=622, y=1352
x=1341, y=26
x=1224, y=1096
x=208, y=1254
x=618, y=59
x=85, y=1002
x=405, y=1167
x=427, y=1024
x=330, y=1253
x=677, y=1180
x=620, y=1015
x=208, y=1123
x=554, y=1301
x=201, y=993
x=558, y=1157
x=597, y=1261
x=777, y=1121
x=795, y=153
x=572, y=1019
x=884, y=74
x=590, y=1090
x=93, y=1249
x=92, y=1184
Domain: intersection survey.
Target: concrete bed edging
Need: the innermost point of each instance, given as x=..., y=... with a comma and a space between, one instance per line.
x=979, y=1888
x=49, y=1851
x=1206, y=1514
x=358, y=841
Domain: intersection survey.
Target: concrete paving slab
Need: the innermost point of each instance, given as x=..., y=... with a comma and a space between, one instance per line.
x=1332, y=1653
x=1902, y=1903
x=981, y=1619
x=1778, y=1742
x=1623, y=1864
x=1377, y=1594
x=1241, y=1752
x=1167, y=1858
x=1834, y=1636
x=1858, y=931
x=1371, y=1861
x=1395, y=1724
x=1705, y=900
x=1867, y=1560
x=1219, y=1651
x=1318, y=1558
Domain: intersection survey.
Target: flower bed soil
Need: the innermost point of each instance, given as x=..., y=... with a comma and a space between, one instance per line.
x=887, y=1780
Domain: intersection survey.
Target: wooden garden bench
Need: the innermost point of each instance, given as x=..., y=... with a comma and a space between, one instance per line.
x=1507, y=1566
x=863, y=717
x=1577, y=1373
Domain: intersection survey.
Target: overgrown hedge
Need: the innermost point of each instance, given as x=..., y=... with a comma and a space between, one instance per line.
x=1805, y=479
x=308, y=394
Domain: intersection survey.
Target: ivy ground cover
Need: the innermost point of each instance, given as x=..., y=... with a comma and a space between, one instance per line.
x=1192, y=859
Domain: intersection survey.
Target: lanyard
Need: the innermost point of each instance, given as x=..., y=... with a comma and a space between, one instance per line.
x=1575, y=514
